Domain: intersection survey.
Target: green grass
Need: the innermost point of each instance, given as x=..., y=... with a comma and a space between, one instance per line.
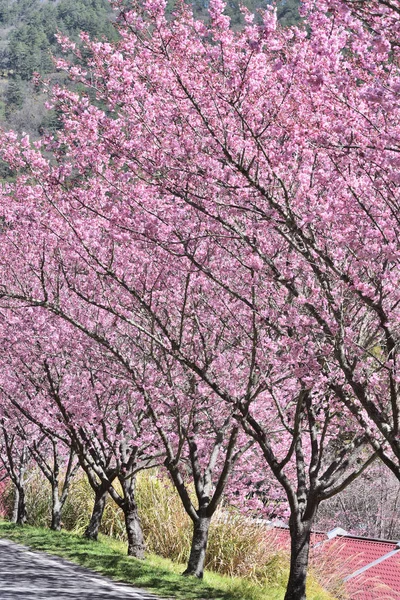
x=158, y=575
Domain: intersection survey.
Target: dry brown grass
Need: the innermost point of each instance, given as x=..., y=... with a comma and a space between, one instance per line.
x=327, y=566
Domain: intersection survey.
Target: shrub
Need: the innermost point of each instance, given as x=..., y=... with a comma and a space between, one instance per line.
x=166, y=526
x=37, y=497
x=242, y=548
x=328, y=568
x=78, y=506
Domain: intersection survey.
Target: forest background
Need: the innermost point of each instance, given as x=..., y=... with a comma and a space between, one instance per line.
x=27, y=44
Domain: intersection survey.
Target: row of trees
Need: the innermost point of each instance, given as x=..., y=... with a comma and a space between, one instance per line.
x=204, y=271
x=67, y=408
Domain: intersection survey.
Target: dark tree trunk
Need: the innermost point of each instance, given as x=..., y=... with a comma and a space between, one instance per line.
x=198, y=549
x=136, y=546
x=55, y=509
x=300, y=547
x=21, y=515
x=92, y=530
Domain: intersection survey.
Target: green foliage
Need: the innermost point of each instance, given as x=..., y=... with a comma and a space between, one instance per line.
x=288, y=12
x=28, y=31
x=78, y=506
x=6, y=174
x=13, y=96
x=32, y=40
x=92, y=16
x=51, y=122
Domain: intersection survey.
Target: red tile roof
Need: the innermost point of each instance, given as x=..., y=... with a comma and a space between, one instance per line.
x=349, y=554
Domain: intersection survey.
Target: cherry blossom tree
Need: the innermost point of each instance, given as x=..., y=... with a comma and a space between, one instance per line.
x=110, y=447
x=75, y=398
x=243, y=184
x=28, y=445
x=49, y=457
x=202, y=443
x=230, y=357
x=14, y=458
x=297, y=206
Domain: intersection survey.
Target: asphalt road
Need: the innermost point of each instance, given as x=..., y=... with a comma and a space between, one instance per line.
x=28, y=575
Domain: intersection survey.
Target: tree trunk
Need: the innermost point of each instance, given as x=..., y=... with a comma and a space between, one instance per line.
x=55, y=509
x=198, y=549
x=136, y=546
x=21, y=515
x=300, y=546
x=14, y=517
x=92, y=530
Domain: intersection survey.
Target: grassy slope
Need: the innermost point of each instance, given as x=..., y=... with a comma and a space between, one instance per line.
x=158, y=575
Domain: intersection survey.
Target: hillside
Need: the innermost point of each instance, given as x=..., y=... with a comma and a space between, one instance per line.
x=27, y=43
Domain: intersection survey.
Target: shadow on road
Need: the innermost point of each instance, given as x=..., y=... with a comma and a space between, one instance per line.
x=27, y=575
